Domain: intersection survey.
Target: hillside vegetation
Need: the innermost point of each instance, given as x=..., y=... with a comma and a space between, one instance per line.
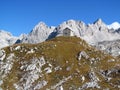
x=67, y=63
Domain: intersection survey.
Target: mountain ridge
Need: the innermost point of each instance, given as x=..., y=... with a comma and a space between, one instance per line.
x=80, y=29
x=92, y=33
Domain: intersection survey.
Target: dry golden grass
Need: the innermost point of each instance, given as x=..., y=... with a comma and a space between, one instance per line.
x=63, y=52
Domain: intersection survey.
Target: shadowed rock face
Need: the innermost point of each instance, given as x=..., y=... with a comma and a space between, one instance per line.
x=62, y=63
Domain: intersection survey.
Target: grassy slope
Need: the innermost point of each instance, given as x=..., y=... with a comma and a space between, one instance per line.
x=63, y=52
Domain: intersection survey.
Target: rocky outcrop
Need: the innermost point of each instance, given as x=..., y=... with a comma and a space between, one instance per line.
x=63, y=63
x=111, y=47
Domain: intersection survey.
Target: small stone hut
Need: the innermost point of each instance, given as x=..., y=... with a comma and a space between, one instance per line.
x=67, y=32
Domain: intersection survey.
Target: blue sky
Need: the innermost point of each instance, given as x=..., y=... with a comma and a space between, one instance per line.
x=20, y=16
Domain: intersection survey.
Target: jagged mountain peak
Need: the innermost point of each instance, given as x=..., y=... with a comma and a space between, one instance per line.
x=40, y=26
x=73, y=22
x=39, y=33
x=99, y=22
x=92, y=33
x=70, y=21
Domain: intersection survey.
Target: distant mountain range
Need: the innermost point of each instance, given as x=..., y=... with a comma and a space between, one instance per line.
x=94, y=33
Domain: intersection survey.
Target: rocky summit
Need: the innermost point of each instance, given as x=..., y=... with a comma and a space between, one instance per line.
x=62, y=63
x=94, y=34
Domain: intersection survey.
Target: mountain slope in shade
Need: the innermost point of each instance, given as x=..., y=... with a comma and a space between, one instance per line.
x=63, y=63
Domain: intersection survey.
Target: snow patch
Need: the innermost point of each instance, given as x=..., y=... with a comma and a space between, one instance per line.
x=114, y=25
